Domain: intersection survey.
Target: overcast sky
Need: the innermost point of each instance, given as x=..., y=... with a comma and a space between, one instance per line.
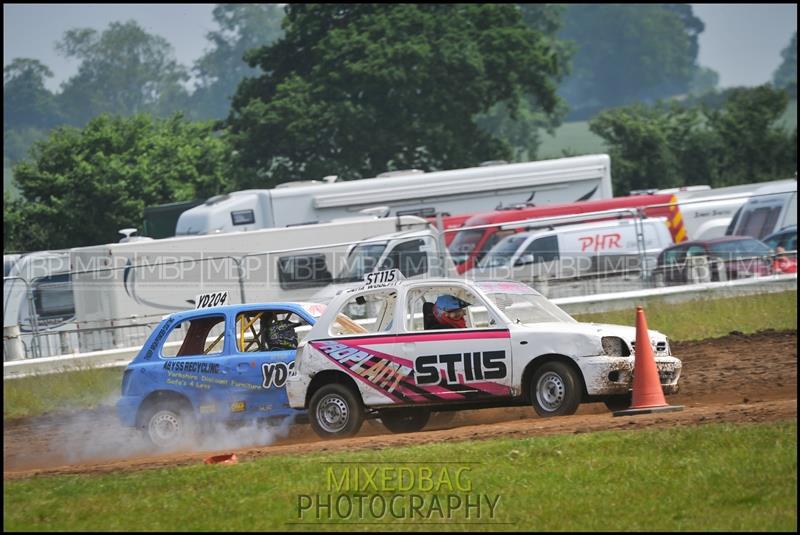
x=742, y=42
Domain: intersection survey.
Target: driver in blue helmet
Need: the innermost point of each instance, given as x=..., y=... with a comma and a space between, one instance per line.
x=449, y=312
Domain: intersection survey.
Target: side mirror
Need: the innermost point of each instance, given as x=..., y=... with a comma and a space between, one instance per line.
x=524, y=259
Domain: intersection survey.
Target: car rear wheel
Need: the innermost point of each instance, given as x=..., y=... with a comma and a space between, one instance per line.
x=335, y=411
x=555, y=390
x=169, y=425
x=405, y=421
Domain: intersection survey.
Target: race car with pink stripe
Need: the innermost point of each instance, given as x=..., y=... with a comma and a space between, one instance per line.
x=399, y=349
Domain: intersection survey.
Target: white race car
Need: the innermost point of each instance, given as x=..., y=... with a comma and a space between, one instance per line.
x=382, y=350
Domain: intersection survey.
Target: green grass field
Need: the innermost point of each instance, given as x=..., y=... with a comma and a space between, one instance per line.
x=32, y=396
x=713, y=477
x=85, y=389
x=709, y=318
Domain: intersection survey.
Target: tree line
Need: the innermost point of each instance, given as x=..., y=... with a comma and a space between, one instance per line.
x=305, y=91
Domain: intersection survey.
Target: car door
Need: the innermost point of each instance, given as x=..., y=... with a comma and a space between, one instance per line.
x=194, y=361
x=694, y=251
x=263, y=356
x=455, y=365
x=362, y=343
x=674, y=266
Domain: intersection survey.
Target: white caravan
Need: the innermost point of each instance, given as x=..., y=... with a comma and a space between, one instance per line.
x=771, y=208
x=128, y=283
x=37, y=295
x=707, y=213
x=103, y=291
x=456, y=191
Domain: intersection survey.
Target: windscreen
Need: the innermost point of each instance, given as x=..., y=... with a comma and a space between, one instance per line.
x=740, y=249
x=362, y=259
x=501, y=254
x=464, y=243
x=522, y=304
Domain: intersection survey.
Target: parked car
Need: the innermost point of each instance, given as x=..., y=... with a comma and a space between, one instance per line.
x=784, y=245
x=377, y=350
x=786, y=238
x=730, y=257
x=218, y=364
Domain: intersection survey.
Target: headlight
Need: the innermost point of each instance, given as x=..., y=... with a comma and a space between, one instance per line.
x=614, y=346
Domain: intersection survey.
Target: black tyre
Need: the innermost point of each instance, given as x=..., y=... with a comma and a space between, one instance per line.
x=169, y=425
x=619, y=402
x=555, y=390
x=405, y=421
x=335, y=411
x=443, y=418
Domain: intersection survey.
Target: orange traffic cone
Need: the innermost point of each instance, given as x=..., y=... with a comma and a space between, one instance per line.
x=227, y=458
x=647, y=393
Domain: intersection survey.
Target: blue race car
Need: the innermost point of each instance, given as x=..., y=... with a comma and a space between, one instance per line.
x=210, y=365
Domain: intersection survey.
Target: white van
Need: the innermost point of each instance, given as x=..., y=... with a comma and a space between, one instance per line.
x=608, y=247
x=770, y=209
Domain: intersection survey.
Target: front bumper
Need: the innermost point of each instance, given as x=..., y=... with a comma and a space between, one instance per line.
x=296, y=388
x=614, y=375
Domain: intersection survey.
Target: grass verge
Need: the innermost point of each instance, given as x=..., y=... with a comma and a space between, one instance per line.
x=709, y=318
x=736, y=477
x=38, y=394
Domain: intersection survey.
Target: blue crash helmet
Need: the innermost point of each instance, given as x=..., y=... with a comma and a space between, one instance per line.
x=448, y=303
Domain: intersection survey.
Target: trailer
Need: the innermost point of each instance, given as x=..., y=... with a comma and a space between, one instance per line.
x=455, y=191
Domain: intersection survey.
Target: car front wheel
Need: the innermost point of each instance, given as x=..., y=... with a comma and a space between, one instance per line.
x=335, y=411
x=555, y=390
x=405, y=421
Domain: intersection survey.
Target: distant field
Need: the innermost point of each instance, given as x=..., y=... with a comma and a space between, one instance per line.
x=576, y=139
x=572, y=138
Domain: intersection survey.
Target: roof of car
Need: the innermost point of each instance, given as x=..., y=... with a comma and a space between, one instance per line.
x=789, y=228
x=183, y=314
x=711, y=241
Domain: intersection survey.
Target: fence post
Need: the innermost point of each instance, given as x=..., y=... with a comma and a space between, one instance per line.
x=240, y=271
x=12, y=343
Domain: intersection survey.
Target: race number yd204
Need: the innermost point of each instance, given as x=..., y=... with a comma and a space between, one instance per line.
x=210, y=300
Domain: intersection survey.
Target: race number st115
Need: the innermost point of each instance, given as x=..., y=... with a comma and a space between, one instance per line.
x=387, y=276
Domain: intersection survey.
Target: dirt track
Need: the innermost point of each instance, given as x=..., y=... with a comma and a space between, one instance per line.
x=732, y=379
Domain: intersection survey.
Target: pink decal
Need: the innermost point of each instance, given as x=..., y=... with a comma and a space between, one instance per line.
x=492, y=388
x=426, y=337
